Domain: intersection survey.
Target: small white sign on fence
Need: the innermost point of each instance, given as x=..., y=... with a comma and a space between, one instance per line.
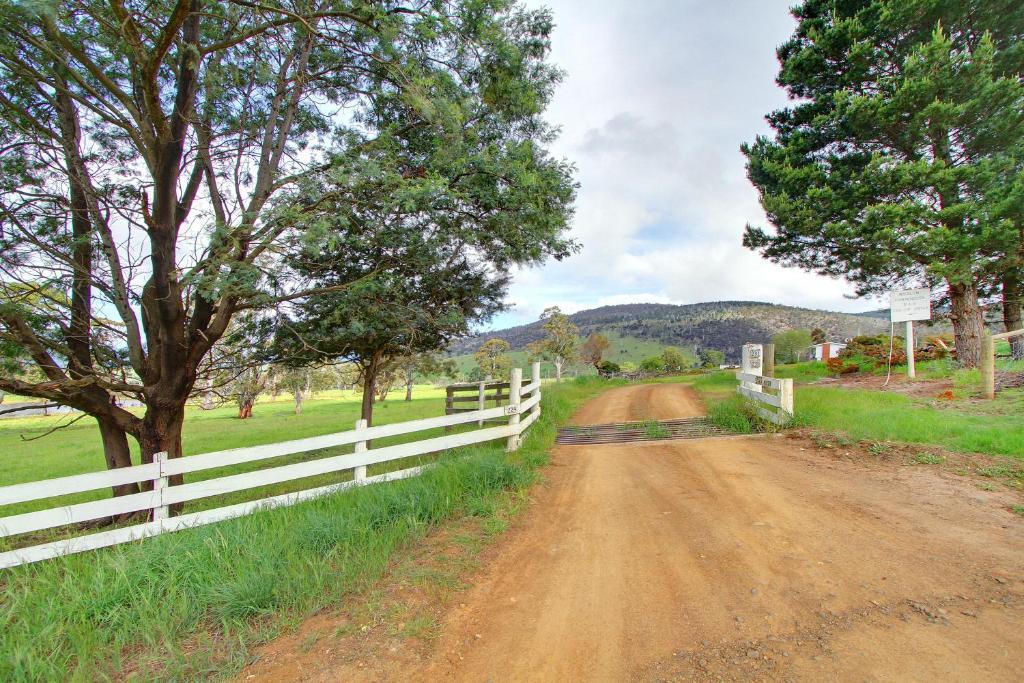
x=910, y=304
x=752, y=359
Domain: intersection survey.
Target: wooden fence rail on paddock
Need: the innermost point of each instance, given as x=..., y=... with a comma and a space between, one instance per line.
x=478, y=394
x=522, y=410
x=777, y=394
x=988, y=360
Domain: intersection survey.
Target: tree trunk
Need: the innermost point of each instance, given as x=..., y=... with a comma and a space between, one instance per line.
x=1013, y=294
x=409, y=378
x=245, y=408
x=161, y=432
x=968, y=323
x=298, y=402
x=369, y=389
x=116, y=452
x=558, y=369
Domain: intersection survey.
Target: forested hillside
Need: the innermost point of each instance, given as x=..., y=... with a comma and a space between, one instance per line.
x=722, y=325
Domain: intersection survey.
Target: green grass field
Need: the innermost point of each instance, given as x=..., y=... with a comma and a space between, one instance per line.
x=193, y=604
x=77, y=449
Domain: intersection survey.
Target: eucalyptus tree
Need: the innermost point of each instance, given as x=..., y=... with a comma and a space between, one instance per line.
x=150, y=151
x=888, y=168
x=424, y=365
x=492, y=358
x=422, y=229
x=561, y=337
x=593, y=349
x=378, y=322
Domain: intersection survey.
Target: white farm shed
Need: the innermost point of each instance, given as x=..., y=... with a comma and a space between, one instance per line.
x=826, y=350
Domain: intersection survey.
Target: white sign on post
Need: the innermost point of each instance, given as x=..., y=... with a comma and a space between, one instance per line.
x=751, y=361
x=910, y=304
x=906, y=306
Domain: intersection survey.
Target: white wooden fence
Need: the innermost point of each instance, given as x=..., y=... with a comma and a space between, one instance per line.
x=523, y=400
x=988, y=360
x=773, y=398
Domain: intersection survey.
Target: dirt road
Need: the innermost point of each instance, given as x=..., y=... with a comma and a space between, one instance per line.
x=736, y=559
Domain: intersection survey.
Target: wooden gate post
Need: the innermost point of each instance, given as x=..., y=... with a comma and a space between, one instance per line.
x=514, y=399
x=769, y=360
x=161, y=511
x=449, y=404
x=988, y=367
x=360, y=472
x=535, y=379
x=481, y=401
x=786, y=396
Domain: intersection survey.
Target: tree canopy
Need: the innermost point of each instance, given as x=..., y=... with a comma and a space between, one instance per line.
x=711, y=358
x=492, y=358
x=674, y=360
x=892, y=167
x=593, y=348
x=561, y=337
x=792, y=345
x=162, y=159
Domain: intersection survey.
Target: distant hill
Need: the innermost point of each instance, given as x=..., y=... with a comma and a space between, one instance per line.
x=722, y=325
x=882, y=313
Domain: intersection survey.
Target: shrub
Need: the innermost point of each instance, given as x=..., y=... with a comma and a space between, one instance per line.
x=935, y=347
x=674, y=360
x=839, y=366
x=652, y=364
x=872, y=352
x=608, y=367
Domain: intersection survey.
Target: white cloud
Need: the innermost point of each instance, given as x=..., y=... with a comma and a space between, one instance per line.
x=658, y=97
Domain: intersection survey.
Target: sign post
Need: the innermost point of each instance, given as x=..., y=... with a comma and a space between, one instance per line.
x=751, y=363
x=906, y=306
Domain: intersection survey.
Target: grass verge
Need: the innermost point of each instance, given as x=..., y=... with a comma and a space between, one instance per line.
x=194, y=604
x=966, y=426
x=880, y=416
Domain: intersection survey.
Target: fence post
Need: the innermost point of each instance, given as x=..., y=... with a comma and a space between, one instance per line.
x=988, y=366
x=449, y=404
x=161, y=511
x=786, y=396
x=360, y=472
x=514, y=399
x=535, y=378
x=481, y=401
x=769, y=360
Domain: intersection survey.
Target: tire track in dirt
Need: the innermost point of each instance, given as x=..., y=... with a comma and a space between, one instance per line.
x=732, y=559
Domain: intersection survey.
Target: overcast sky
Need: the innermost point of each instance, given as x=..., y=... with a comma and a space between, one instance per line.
x=658, y=97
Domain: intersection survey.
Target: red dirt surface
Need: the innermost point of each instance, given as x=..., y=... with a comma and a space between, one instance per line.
x=898, y=383
x=720, y=559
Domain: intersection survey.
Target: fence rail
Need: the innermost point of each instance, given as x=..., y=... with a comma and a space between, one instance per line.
x=521, y=412
x=768, y=391
x=988, y=360
x=477, y=394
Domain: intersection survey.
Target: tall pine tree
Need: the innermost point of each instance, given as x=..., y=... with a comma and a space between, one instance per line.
x=893, y=166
